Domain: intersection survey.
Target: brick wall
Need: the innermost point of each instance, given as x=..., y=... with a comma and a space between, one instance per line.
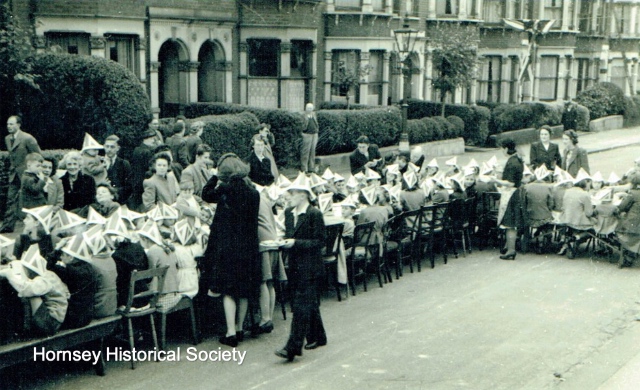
x=350, y=26
x=125, y=7
x=269, y=12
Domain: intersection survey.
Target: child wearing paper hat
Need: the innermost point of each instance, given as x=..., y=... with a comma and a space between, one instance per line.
x=47, y=295
x=36, y=231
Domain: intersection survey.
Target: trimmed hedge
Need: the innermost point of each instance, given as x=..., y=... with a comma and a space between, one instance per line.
x=285, y=126
x=229, y=133
x=339, y=129
x=602, y=99
x=81, y=94
x=458, y=125
x=475, y=118
x=343, y=106
x=435, y=128
x=505, y=117
x=631, y=111
x=575, y=116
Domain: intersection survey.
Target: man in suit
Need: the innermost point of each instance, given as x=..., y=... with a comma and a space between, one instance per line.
x=198, y=172
x=304, y=232
x=194, y=140
x=367, y=155
x=141, y=160
x=19, y=144
x=118, y=169
x=544, y=152
x=178, y=144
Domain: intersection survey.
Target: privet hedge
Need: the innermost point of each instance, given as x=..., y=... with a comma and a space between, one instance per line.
x=435, y=128
x=507, y=117
x=229, y=133
x=602, y=99
x=81, y=94
x=475, y=118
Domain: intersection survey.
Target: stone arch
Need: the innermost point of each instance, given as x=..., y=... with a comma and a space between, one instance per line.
x=211, y=72
x=173, y=76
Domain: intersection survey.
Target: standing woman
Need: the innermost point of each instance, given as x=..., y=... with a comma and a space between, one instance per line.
x=264, y=132
x=573, y=157
x=628, y=230
x=231, y=258
x=162, y=186
x=544, y=152
x=510, y=214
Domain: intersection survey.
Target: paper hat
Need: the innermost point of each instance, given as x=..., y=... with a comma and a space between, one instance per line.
x=394, y=169
x=316, y=181
x=473, y=164
x=413, y=167
x=371, y=174
x=359, y=176
x=77, y=248
x=274, y=192
x=43, y=214
x=129, y=215
x=348, y=202
x=337, y=177
x=582, y=175
x=283, y=181
x=557, y=171
x=328, y=175
x=302, y=183
x=369, y=194
x=116, y=226
x=94, y=238
x=541, y=172
x=426, y=187
x=486, y=168
x=469, y=171
x=183, y=231
x=527, y=171
x=459, y=179
x=452, y=161
x=66, y=220
x=163, y=211
x=95, y=218
x=410, y=178
x=325, y=202
x=151, y=231
x=439, y=179
x=563, y=178
x=433, y=163
x=353, y=182
x=32, y=260
x=597, y=177
x=493, y=161
x=613, y=178
x=6, y=242
x=395, y=191
x=90, y=143
x=258, y=187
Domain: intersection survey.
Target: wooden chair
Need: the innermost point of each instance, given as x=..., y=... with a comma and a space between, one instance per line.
x=358, y=257
x=488, y=221
x=460, y=223
x=392, y=236
x=330, y=253
x=409, y=234
x=184, y=303
x=144, y=303
x=433, y=222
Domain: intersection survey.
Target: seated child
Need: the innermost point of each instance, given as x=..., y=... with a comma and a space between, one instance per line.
x=348, y=209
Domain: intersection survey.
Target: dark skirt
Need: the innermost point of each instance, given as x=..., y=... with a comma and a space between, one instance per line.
x=514, y=217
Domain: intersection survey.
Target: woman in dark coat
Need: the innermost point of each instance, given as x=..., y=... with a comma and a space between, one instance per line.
x=628, y=229
x=544, y=152
x=510, y=215
x=231, y=258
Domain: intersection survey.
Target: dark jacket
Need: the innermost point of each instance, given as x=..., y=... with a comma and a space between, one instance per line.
x=119, y=175
x=32, y=191
x=538, y=155
x=128, y=256
x=260, y=172
x=358, y=160
x=141, y=160
x=192, y=142
x=305, y=257
x=513, y=170
x=631, y=205
x=231, y=259
x=578, y=160
x=179, y=149
x=82, y=194
x=82, y=282
x=23, y=144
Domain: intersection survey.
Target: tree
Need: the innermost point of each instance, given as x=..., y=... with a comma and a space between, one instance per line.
x=346, y=78
x=455, y=58
x=16, y=55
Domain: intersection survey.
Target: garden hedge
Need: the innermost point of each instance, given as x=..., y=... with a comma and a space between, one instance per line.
x=343, y=106
x=229, y=133
x=631, y=111
x=506, y=117
x=81, y=94
x=435, y=128
x=602, y=99
x=475, y=118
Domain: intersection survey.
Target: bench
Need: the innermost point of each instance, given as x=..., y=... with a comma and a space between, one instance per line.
x=98, y=329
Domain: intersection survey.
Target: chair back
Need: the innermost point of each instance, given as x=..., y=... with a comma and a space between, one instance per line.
x=151, y=293
x=332, y=237
x=411, y=223
x=460, y=212
x=490, y=204
x=362, y=236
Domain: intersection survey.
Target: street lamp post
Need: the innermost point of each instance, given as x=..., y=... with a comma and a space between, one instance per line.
x=405, y=41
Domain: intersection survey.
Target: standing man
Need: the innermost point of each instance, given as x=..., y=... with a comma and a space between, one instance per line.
x=198, y=172
x=19, y=144
x=309, y=140
x=178, y=144
x=305, y=235
x=141, y=159
x=193, y=140
x=118, y=169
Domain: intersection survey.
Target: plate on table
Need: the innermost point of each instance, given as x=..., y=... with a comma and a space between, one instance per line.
x=275, y=244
